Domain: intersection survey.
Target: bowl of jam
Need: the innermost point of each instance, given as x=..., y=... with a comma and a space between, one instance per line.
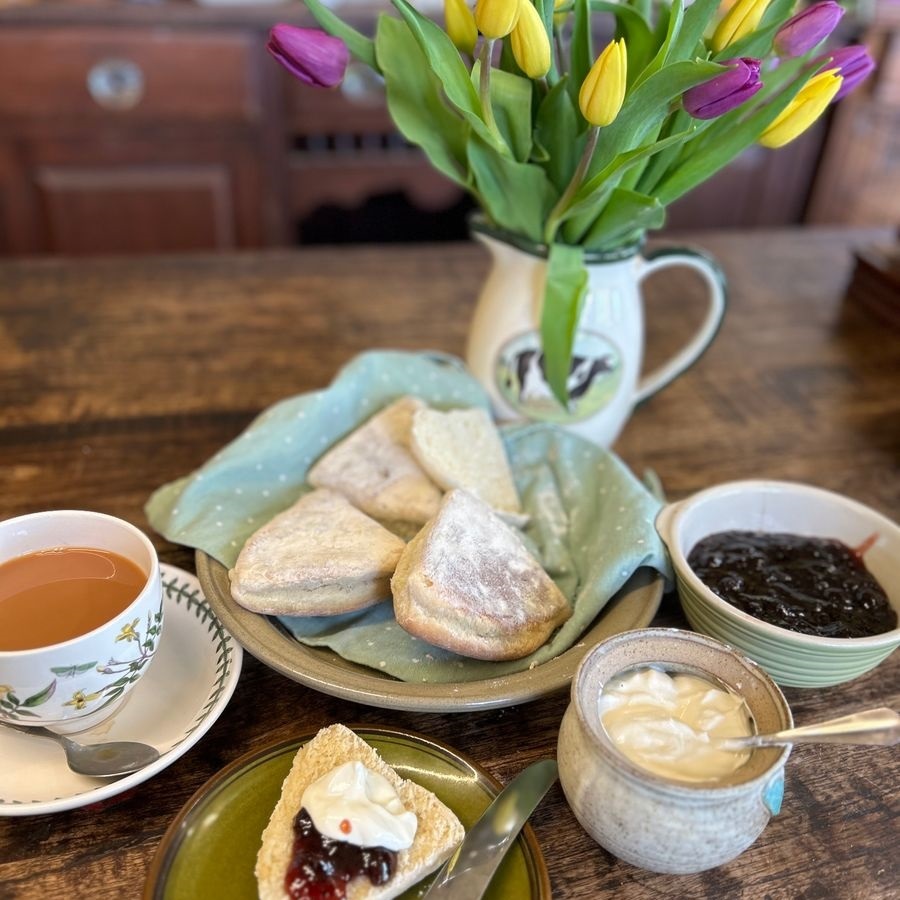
x=802, y=580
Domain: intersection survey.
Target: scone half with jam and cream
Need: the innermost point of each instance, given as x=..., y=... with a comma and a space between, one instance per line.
x=342, y=801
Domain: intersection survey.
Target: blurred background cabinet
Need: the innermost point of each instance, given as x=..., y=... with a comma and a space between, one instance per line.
x=129, y=128
x=117, y=138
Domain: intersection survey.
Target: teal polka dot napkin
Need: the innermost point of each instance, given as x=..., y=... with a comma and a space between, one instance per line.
x=591, y=519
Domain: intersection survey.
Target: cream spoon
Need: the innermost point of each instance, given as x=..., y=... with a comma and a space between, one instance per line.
x=873, y=726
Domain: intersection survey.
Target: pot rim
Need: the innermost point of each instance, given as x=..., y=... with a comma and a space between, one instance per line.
x=478, y=224
x=699, y=791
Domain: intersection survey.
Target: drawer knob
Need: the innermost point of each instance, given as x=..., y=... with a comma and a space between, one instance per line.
x=116, y=84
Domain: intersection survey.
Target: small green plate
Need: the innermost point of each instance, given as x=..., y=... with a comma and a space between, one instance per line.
x=210, y=849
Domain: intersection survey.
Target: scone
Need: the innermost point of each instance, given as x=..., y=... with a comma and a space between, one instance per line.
x=437, y=831
x=462, y=448
x=320, y=557
x=467, y=583
x=374, y=468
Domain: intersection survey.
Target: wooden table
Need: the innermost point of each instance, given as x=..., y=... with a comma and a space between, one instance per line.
x=117, y=376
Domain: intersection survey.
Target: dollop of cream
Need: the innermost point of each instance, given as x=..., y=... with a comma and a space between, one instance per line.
x=671, y=724
x=354, y=804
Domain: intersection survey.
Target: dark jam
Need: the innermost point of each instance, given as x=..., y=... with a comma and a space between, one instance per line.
x=321, y=867
x=811, y=585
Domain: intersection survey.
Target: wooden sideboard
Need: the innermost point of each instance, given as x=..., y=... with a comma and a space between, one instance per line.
x=147, y=127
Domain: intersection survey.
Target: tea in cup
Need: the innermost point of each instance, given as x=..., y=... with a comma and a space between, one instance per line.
x=80, y=616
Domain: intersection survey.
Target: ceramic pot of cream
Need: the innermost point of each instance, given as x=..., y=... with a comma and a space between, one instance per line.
x=660, y=823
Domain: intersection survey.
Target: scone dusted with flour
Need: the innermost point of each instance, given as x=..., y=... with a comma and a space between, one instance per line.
x=320, y=557
x=347, y=825
x=373, y=467
x=462, y=448
x=468, y=584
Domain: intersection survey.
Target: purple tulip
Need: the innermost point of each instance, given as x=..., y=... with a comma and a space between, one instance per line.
x=723, y=93
x=854, y=63
x=311, y=55
x=807, y=29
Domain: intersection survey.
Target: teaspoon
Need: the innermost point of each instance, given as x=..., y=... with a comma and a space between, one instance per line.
x=874, y=726
x=109, y=760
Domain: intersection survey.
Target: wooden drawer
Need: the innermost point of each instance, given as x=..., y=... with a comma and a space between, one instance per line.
x=112, y=74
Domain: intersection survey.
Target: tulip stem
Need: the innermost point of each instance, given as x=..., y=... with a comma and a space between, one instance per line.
x=484, y=84
x=561, y=62
x=555, y=217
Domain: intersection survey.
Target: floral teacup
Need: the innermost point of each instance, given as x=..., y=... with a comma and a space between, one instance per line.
x=74, y=684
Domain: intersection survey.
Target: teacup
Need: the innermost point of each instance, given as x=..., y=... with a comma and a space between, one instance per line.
x=652, y=820
x=605, y=379
x=73, y=682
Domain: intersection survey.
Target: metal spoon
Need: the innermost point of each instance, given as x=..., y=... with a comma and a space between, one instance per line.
x=110, y=760
x=874, y=726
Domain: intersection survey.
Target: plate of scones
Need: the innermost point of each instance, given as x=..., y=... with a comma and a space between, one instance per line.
x=411, y=529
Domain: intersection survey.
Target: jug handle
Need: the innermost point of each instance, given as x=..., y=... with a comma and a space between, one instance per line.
x=717, y=299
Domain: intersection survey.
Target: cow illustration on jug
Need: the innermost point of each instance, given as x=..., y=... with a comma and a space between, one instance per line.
x=594, y=377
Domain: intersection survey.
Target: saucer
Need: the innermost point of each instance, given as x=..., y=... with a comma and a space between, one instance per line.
x=186, y=688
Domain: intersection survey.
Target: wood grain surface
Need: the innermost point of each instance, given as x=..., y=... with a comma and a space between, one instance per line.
x=118, y=376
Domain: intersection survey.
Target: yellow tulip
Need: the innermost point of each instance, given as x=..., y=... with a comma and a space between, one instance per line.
x=460, y=25
x=529, y=41
x=559, y=18
x=496, y=18
x=743, y=18
x=603, y=90
x=803, y=110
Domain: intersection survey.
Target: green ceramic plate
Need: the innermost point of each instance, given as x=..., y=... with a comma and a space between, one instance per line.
x=210, y=849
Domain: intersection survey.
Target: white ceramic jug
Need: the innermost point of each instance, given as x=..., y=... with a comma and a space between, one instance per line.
x=605, y=381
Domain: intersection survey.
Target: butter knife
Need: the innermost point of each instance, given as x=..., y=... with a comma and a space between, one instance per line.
x=467, y=874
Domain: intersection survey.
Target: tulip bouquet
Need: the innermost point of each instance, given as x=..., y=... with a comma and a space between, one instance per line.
x=575, y=151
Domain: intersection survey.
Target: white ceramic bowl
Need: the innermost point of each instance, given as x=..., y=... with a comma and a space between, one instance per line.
x=77, y=683
x=650, y=820
x=791, y=658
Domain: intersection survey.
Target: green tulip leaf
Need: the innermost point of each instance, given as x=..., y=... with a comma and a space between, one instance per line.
x=546, y=9
x=555, y=123
x=661, y=25
x=358, y=44
x=511, y=102
x=696, y=18
x=581, y=48
x=516, y=196
x=676, y=15
x=564, y=292
x=643, y=7
x=625, y=213
x=415, y=100
x=659, y=163
x=445, y=62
